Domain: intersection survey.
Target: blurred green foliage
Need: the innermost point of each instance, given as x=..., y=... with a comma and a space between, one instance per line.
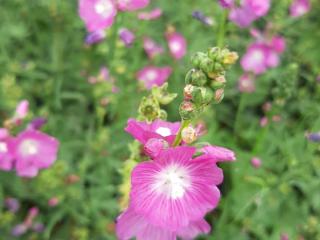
x=44, y=59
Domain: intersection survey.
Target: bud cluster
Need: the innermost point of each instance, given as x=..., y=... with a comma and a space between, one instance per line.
x=206, y=81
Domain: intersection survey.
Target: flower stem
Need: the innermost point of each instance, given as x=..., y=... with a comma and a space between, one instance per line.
x=241, y=106
x=222, y=28
x=184, y=123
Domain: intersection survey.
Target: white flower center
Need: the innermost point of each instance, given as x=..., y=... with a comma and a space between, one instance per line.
x=151, y=75
x=257, y=56
x=104, y=8
x=3, y=147
x=29, y=147
x=163, y=131
x=172, y=181
x=175, y=46
x=301, y=9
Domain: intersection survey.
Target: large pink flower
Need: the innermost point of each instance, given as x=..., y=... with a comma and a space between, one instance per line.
x=299, y=8
x=132, y=5
x=174, y=190
x=160, y=129
x=34, y=150
x=177, y=44
x=6, y=156
x=131, y=224
x=97, y=14
x=151, y=75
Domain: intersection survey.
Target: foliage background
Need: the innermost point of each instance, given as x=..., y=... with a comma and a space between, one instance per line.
x=44, y=59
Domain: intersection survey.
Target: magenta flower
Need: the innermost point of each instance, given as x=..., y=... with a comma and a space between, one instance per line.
x=37, y=123
x=226, y=3
x=246, y=83
x=22, y=109
x=177, y=45
x=154, y=14
x=126, y=36
x=33, y=150
x=95, y=37
x=132, y=5
x=154, y=146
x=151, y=47
x=172, y=194
x=255, y=58
x=151, y=75
x=299, y=8
x=97, y=14
x=158, y=129
x=256, y=162
x=218, y=154
x=249, y=11
x=278, y=44
x=6, y=156
x=130, y=224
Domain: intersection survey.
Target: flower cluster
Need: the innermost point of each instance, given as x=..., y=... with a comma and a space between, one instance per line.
x=174, y=185
x=29, y=151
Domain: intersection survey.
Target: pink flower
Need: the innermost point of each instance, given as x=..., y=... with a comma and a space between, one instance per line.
x=95, y=37
x=130, y=224
x=159, y=129
x=154, y=14
x=53, y=202
x=174, y=192
x=22, y=110
x=255, y=58
x=6, y=156
x=278, y=44
x=177, y=45
x=154, y=146
x=34, y=150
x=97, y=14
x=226, y=3
x=151, y=75
x=264, y=121
x=246, y=83
x=126, y=36
x=256, y=162
x=4, y=133
x=132, y=5
x=249, y=11
x=218, y=154
x=151, y=47
x=299, y=8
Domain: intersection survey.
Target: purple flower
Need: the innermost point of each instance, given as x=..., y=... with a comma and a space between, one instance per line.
x=95, y=37
x=177, y=45
x=158, y=129
x=33, y=150
x=97, y=14
x=299, y=8
x=314, y=137
x=226, y=3
x=12, y=204
x=151, y=47
x=37, y=123
x=154, y=14
x=19, y=230
x=202, y=18
x=151, y=75
x=126, y=36
x=38, y=227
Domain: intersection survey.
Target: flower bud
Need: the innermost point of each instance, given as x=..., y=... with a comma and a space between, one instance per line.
x=202, y=96
x=162, y=94
x=213, y=52
x=163, y=115
x=207, y=65
x=219, y=94
x=196, y=77
x=189, y=135
x=256, y=162
x=187, y=91
x=154, y=146
x=149, y=108
x=218, y=82
x=197, y=58
x=187, y=110
x=230, y=58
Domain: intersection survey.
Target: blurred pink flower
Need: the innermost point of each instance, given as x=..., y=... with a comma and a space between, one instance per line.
x=226, y=3
x=256, y=162
x=126, y=36
x=151, y=47
x=12, y=204
x=53, y=202
x=22, y=110
x=33, y=150
x=6, y=154
x=97, y=14
x=169, y=196
x=264, y=121
x=299, y=8
x=153, y=14
x=249, y=11
x=158, y=129
x=218, y=154
x=177, y=45
x=154, y=146
x=151, y=75
x=132, y=5
x=95, y=37
x=246, y=83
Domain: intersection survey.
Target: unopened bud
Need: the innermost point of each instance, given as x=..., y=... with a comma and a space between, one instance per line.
x=197, y=58
x=207, y=65
x=187, y=110
x=189, y=135
x=219, y=82
x=202, y=96
x=219, y=94
x=163, y=115
x=154, y=146
x=196, y=77
x=230, y=58
x=149, y=108
x=213, y=52
x=187, y=91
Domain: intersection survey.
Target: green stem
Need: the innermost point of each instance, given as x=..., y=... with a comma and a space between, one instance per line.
x=242, y=104
x=184, y=123
x=222, y=28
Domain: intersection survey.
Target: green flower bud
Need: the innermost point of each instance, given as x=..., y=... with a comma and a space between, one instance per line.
x=196, y=59
x=163, y=114
x=149, y=108
x=196, y=77
x=218, y=82
x=162, y=94
x=202, y=96
x=207, y=65
x=187, y=110
x=213, y=52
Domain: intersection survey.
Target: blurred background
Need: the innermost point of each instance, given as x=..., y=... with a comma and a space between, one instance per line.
x=270, y=192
